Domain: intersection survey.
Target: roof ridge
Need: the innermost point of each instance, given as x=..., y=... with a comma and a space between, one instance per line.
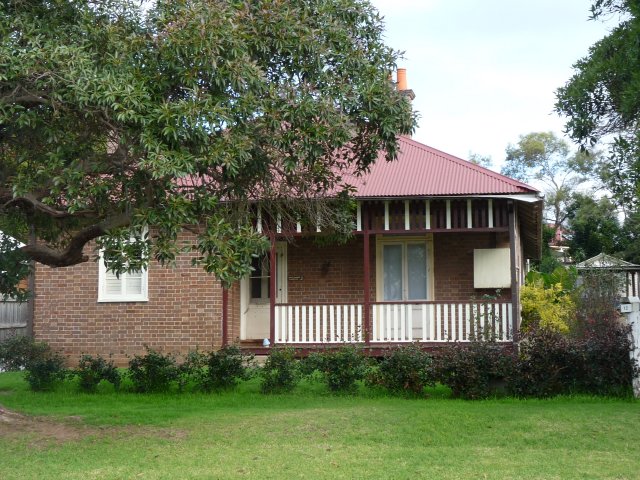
x=467, y=164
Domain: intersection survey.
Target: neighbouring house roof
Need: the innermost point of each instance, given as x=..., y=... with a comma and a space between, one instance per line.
x=604, y=261
x=423, y=171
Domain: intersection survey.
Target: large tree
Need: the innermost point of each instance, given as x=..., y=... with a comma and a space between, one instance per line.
x=545, y=158
x=114, y=117
x=602, y=100
x=594, y=227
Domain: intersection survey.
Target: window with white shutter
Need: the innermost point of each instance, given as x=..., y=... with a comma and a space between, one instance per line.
x=126, y=287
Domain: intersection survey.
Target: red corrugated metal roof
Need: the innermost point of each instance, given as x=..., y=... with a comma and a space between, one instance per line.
x=421, y=171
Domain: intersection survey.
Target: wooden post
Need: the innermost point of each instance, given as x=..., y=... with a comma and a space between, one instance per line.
x=272, y=291
x=225, y=316
x=31, y=285
x=367, y=289
x=515, y=291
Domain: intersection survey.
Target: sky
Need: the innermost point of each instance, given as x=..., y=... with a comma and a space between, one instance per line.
x=485, y=71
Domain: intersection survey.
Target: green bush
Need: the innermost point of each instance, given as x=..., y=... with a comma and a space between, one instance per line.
x=406, y=369
x=547, y=365
x=43, y=373
x=280, y=371
x=225, y=368
x=340, y=368
x=475, y=370
x=92, y=370
x=608, y=368
x=597, y=362
x=191, y=370
x=152, y=372
x=18, y=351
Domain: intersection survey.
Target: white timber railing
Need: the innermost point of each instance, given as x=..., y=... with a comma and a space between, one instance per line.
x=393, y=322
x=441, y=322
x=318, y=323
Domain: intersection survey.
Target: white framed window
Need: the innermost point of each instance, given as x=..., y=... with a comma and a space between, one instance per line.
x=126, y=287
x=404, y=268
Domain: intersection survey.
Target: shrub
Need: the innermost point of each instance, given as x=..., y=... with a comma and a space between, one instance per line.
x=339, y=368
x=475, y=370
x=608, y=368
x=192, y=368
x=280, y=371
x=17, y=351
x=225, y=368
x=547, y=364
x=550, y=308
x=597, y=362
x=92, y=370
x=152, y=372
x=405, y=369
x=45, y=372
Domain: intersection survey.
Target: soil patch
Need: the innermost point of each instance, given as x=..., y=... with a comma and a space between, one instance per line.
x=46, y=431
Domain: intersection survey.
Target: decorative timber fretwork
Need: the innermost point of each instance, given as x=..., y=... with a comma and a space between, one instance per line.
x=433, y=215
x=403, y=215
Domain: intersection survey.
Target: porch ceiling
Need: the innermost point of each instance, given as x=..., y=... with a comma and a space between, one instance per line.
x=530, y=215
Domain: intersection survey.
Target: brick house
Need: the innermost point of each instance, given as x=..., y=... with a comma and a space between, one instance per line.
x=434, y=236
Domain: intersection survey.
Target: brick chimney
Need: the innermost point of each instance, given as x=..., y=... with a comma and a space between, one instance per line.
x=401, y=84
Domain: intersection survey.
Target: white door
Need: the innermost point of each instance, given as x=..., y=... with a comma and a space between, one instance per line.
x=405, y=279
x=255, y=295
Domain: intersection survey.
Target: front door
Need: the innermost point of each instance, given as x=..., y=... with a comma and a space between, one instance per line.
x=255, y=294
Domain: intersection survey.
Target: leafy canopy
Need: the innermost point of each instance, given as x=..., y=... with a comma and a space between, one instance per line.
x=544, y=157
x=602, y=103
x=114, y=118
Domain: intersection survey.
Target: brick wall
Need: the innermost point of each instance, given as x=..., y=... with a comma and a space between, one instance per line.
x=332, y=273
x=183, y=312
x=453, y=264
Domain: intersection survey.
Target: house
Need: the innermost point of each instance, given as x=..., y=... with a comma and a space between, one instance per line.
x=439, y=250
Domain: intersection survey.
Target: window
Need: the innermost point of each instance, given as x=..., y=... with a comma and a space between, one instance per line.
x=403, y=269
x=260, y=280
x=128, y=287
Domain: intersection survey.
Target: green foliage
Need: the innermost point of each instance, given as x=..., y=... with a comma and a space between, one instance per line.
x=595, y=227
x=406, y=369
x=225, y=368
x=544, y=157
x=45, y=372
x=548, y=261
x=152, y=372
x=191, y=370
x=547, y=364
x=115, y=116
x=340, y=368
x=92, y=370
x=597, y=362
x=280, y=371
x=549, y=308
x=17, y=351
x=475, y=370
x=602, y=104
x=14, y=267
x=44, y=367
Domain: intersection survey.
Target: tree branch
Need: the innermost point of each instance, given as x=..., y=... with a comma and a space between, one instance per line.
x=74, y=252
x=31, y=202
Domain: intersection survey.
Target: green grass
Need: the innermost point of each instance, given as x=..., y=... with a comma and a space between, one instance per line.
x=311, y=434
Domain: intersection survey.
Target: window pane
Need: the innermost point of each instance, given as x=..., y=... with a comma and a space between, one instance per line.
x=113, y=284
x=417, y=271
x=392, y=266
x=260, y=278
x=134, y=284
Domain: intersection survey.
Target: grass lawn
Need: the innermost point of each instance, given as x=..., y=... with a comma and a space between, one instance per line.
x=311, y=434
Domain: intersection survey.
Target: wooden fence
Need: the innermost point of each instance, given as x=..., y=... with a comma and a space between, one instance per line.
x=13, y=318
